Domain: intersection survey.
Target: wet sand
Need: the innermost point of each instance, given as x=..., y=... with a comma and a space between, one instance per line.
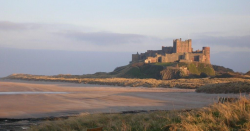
x=86, y=98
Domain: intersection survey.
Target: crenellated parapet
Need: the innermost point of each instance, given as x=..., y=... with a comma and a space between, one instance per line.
x=180, y=46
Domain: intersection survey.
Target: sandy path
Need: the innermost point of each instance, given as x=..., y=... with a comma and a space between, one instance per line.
x=82, y=98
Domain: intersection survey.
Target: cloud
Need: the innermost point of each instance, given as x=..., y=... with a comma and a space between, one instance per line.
x=103, y=38
x=8, y=26
x=16, y=35
x=232, y=41
x=223, y=43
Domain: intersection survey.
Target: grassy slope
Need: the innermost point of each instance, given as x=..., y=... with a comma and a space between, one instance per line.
x=198, y=68
x=144, y=71
x=228, y=116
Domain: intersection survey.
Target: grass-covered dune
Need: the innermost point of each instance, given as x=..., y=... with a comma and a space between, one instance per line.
x=179, y=83
x=218, y=117
x=230, y=87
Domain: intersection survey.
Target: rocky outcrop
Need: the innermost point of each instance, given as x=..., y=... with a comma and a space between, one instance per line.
x=168, y=74
x=174, y=73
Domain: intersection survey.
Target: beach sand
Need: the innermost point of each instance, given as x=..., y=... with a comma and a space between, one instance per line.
x=86, y=98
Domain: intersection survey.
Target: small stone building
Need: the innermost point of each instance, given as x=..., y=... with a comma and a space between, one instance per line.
x=181, y=51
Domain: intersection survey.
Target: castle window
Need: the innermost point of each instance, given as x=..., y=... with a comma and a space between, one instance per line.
x=196, y=58
x=159, y=59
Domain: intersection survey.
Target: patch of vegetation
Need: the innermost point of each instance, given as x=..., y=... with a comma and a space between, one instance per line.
x=230, y=87
x=198, y=68
x=192, y=69
x=227, y=116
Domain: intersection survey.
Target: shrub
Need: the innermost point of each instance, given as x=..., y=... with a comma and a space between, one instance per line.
x=203, y=75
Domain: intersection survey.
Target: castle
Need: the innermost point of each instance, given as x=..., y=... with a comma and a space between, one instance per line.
x=181, y=51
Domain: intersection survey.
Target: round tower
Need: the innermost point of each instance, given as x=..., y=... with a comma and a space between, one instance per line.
x=206, y=51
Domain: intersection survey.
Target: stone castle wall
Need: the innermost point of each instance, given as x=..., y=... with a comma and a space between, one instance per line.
x=180, y=52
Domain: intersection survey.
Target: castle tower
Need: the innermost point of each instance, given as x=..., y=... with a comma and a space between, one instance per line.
x=182, y=46
x=176, y=45
x=206, y=51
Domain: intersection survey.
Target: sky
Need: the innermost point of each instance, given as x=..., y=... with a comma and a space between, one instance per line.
x=81, y=37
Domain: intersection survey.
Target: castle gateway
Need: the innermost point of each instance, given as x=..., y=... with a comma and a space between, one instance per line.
x=181, y=51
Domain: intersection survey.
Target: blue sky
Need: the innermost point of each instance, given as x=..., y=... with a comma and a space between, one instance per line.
x=120, y=28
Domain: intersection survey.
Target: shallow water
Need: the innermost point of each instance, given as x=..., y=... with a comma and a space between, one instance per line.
x=30, y=92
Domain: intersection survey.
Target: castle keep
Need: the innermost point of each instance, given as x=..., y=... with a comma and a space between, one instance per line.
x=181, y=51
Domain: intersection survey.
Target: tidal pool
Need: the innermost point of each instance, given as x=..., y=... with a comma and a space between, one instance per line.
x=30, y=92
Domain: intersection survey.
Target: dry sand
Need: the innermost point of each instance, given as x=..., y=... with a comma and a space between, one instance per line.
x=85, y=98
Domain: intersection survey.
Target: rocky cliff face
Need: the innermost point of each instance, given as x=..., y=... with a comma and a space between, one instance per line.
x=174, y=73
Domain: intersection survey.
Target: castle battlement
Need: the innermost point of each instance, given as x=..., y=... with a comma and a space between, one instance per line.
x=181, y=51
